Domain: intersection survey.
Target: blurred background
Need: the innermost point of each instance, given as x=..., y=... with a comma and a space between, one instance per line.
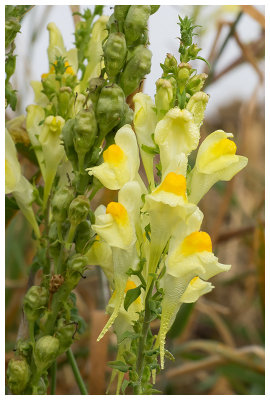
x=218, y=343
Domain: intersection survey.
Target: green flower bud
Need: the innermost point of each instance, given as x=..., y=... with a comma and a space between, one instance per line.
x=170, y=64
x=50, y=85
x=84, y=237
x=94, y=89
x=35, y=299
x=165, y=96
x=193, y=51
x=137, y=67
x=110, y=109
x=114, y=51
x=195, y=84
x=85, y=132
x=183, y=74
x=65, y=102
x=18, y=375
x=78, y=210
x=136, y=22
x=45, y=352
x=61, y=202
x=65, y=334
x=67, y=135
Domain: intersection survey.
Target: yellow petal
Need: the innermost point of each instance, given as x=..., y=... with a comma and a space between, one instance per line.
x=196, y=242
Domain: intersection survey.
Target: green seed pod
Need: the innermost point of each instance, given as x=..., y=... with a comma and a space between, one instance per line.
x=85, y=132
x=23, y=348
x=154, y=9
x=137, y=67
x=78, y=210
x=127, y=117
x=110, y=109
x=75, y=268
x=46, y=351
x=67, y=135
x=18, y=375
x=54, y=246
x=35, y=299
x=94, y=89
x=61, y=202
x=165, y=96
x=195, y=84
x=114, y=51
x=64, y=333
x=136, y=22
x=183, y=74
x=120, y=13
x=84, y=237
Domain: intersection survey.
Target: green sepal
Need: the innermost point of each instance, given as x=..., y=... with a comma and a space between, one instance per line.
x=120, y=365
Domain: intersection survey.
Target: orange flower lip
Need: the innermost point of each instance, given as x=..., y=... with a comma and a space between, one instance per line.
x=196, y=242
x=118, y=212
x=174, y=183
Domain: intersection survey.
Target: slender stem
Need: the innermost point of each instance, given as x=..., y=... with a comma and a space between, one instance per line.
x=76, y=372
x=53, y=377
x=146, y=324
x=70, y=236
x=224, y=44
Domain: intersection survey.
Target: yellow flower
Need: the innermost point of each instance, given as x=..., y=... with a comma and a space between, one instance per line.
x=216, y=160
x=145, y=121
x=168, y=207
x=17, y=184
x=176, y=133
x=188, y=265
x=121, y=161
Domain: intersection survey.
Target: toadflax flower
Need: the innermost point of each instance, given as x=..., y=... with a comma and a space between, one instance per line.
x=46, y=142
x=145, y=121
x=116, y=226
x=121, y=161
x=17, y=184
x=176, y=133
x=216, y=160
x=167, y=206
x=189, y=265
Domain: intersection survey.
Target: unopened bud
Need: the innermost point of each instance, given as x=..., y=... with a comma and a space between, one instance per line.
x=94, y=89
x=170, y=63
x=18, y=375
x=165, y=97
x=193, y=51
x=78, y=210
x=46, y=351
x=183, y=74
x=196, y=83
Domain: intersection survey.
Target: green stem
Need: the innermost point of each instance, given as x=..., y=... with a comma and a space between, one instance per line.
x=76, y=372
x=141, y=346
x=53, y=377
x=71, y=234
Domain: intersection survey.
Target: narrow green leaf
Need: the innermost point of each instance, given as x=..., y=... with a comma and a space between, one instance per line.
x=131, y=296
